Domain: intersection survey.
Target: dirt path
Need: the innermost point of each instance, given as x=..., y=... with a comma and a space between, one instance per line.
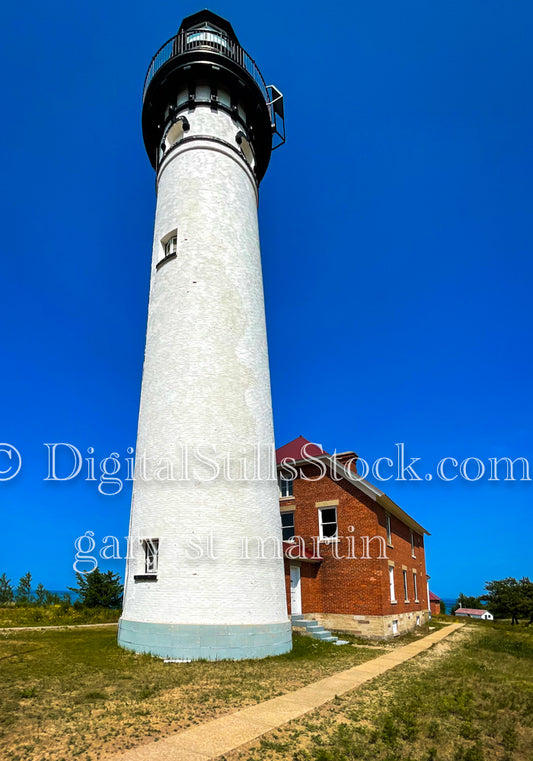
x=214, y=738
x=45, y=628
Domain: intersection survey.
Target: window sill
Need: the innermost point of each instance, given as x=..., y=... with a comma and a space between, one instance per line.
x=145, y=577
x=284, y=499
x=164, y=260
x=329, y=541
x=394, y=602
x=406, y=602
x=390, y=545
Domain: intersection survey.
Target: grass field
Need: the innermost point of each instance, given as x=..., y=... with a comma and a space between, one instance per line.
x=469, y=698
x=54, y=615
x=72, y=693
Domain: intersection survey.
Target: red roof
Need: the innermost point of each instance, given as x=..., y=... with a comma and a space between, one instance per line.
x=471, y=611
x=294, y=449
x=433, y=598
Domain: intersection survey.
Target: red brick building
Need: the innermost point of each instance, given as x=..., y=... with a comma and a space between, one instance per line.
x=354, y=560
x=434, y=604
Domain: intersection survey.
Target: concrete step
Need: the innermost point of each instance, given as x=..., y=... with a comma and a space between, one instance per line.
x=316, y=631
x=324, y=635
x=341, y=641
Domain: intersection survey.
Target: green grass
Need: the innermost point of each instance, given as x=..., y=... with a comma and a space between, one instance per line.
x=469, y=698
x=75, y=693
x=54, y=615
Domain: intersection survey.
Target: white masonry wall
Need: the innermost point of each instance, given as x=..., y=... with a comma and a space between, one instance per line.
x=205, y=381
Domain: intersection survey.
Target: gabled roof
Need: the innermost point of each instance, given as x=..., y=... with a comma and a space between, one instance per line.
x=294, y=450
x=470, y=611
x=433, y=598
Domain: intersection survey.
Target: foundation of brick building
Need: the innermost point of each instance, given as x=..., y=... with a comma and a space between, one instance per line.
x=372, y=627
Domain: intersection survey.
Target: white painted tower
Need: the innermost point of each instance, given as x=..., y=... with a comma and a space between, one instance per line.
x=198, y=583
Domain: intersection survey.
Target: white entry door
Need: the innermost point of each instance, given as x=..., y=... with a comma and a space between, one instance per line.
x=296, y=591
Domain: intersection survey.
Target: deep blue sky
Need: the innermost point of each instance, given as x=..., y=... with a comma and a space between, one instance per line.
x=396, y=253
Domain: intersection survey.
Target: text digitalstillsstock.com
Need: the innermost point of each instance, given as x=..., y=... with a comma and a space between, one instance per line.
x=205, y=463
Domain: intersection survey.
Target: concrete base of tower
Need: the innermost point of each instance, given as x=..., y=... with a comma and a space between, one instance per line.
x=211, y=642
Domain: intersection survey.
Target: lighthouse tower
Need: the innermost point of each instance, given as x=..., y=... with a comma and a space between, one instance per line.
x=204, y=576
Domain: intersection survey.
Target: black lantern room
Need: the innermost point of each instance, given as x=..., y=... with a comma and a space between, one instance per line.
x=206, y=50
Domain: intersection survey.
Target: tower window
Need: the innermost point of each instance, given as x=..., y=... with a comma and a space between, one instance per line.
x=151, y=555
x=169, y=246
x=207, y=36
x=246, y=148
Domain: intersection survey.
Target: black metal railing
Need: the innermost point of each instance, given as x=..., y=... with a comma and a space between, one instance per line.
x=192, y=39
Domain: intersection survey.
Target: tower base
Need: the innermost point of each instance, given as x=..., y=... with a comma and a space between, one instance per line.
x=211, y=642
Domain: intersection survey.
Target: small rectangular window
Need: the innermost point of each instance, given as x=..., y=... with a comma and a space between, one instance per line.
x=327, y=519
x=405, y=592
x=285, y=485
x=388, y=527
x=169, y=248
x=151, y=555
x=395, y=627
x=415, y=586
x=391, y=584
x=287, y=526
x=413, y=544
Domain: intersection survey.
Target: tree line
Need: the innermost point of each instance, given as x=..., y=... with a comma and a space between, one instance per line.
x=97, y=589
x=504, y=598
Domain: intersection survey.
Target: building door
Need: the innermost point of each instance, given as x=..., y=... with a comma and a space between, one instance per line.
x=296, y=591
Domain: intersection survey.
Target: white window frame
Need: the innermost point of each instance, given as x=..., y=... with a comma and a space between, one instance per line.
x=405, y=588
x=169, y=246
x=388, y=529
x=413, y=555
x=321, y=524
x=291, y=513
x=391, y=584
x=395, y=627
x=151, y=555
x=416, y=586
x=286, y=486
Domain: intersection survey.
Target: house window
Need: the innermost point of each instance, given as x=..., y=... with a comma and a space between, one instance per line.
x=395, y=627
x=388, y=527
x=418, y=620
x=285, y=485
x=151, y=555
x=287, y=526
x=412, y=544
x=415, y=586
x=327, y=519
x=405, y=592
x=391, y=584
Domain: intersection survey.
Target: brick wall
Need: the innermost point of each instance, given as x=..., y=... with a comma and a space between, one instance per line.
x=345, y=584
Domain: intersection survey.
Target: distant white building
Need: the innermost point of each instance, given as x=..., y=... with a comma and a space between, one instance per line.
x=474, y=613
